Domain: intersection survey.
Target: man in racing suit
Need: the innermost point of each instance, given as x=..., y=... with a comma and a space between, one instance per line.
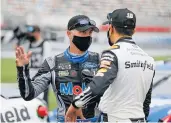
x=124, y=78
x=68, y=72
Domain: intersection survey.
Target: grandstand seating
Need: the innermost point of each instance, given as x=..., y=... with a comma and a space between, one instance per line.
x=146, y=10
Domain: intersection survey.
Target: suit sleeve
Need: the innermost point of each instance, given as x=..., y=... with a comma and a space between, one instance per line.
x=98, y=85
x=29, y=89
x=146, y=104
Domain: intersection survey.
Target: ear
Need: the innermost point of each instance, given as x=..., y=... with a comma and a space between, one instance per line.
x=111, y=29
x=110, y=26
x=68, y=33
x=133, y=31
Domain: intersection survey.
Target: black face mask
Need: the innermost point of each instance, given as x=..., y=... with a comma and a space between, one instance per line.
x=31, y=38
x=82, y=43
x=109, y=41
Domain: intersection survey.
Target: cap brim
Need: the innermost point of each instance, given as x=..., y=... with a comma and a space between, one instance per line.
x=106, y=22
x=84, y=28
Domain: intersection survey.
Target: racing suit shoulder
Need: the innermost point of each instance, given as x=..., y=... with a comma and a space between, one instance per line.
x=59, y=55
x=43, y=69
x=109, y=55
x=50, y=62
x=114, y=47
x=93, y=53
x=95, y=56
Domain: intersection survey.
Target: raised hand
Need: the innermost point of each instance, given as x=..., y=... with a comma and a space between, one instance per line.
x=22, y=58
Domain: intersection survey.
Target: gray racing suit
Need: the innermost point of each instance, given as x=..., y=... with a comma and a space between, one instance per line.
x=67, y=80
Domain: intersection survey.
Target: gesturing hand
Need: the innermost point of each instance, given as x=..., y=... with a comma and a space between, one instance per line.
x=22, y=58
x=72, y=113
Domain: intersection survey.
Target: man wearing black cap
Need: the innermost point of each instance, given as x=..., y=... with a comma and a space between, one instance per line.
x=68, y=73
x=124, y=78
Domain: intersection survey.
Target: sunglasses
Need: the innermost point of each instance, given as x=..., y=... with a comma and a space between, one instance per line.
x=82, y=23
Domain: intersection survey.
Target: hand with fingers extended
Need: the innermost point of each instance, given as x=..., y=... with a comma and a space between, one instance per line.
x=22, y=58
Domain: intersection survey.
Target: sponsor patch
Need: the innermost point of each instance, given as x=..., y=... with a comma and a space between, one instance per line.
x=102, y=70
x=114, y=47
x=99, y=74
x=104, y=62
x=87, y=65
x=107, y=55
x=107, y=58
x=71, y=89
x=73, y=73
x=142, y=64
x=63, y=73
x=64, y=66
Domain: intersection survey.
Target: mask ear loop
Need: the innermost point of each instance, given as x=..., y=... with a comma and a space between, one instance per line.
x=109, y=41
x=110, y=23
x=109, y=18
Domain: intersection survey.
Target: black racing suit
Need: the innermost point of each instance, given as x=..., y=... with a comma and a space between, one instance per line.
x=67, y=83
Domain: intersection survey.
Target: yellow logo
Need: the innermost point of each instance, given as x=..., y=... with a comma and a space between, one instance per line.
x=114, y=47
x=102, y=70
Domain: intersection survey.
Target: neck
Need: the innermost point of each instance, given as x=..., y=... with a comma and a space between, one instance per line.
x=73, y=49
x=120, y=36
x=38, y=38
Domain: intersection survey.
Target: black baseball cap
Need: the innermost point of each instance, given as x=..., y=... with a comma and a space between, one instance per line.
x=122, y=18
x=82, y=23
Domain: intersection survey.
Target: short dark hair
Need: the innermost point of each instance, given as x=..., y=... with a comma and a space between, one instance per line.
x=36, y=28
x=124, y=31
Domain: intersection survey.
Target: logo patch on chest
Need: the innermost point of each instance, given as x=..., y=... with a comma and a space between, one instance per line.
x=89, y=65
x=64, y=66
x=73, y=73
x=63, y=73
